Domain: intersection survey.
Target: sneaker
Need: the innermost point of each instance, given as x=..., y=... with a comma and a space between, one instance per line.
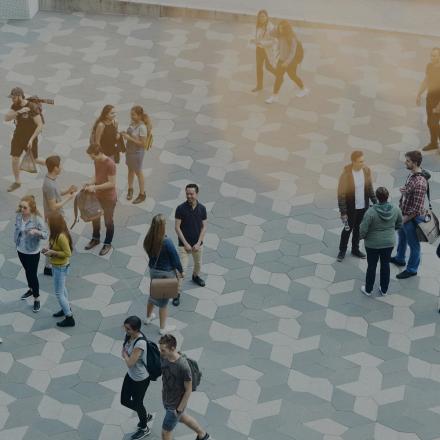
x=167, y=329
x=105, y=250
x=340, y=256
x=396, y=262
x=68, y=321
x=150, y=319
x=129, y=194
x=196, y=279
x=139, y=199
x=58, y=314
x=176, y=300
x=36, y=307
x=141, y=433
x=92, y=243
x=358, y=253
x=381, y=292
x=205, y=437
x=364, y=291
x=302, y=92
x=271, y=99
x=430, y=147
x=13, y=186
x=26, y=295
x=405, y=274
x=149, y=419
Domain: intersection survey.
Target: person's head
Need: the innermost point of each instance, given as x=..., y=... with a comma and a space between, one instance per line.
x=357, y=160
x=155, y=235
x=167, y=345
x=435, y=55
x=94, y=151
x=17, y=95
x=132, y=325
x=382, y=194
x=191, y=191
x=262, y=18
x=285, y=30
x=53, y=164
x=413, y=160
x=27, y=206
x=57, y=226
x=138, y=115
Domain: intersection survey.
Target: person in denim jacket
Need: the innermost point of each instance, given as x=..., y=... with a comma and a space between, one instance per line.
x=28, y=233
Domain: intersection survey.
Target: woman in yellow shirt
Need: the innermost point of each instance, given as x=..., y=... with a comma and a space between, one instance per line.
x=59, y=252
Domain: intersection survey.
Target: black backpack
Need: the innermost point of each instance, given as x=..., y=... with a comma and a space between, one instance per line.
x=196, y=374
x=153, y=366
x=88, y=205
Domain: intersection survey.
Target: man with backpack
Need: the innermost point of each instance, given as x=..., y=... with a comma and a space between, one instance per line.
x=178, y=380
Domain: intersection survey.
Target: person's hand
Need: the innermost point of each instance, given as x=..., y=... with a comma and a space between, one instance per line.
x=196, y=247
x=29, y=145
x=402, y=189
x=124, y=134
x=187, y=247
x=90, y=188
x=344, y=217
x=418, y=100
x=50, y=253
x=24, y=110
x=34, y=231
x=73, y=189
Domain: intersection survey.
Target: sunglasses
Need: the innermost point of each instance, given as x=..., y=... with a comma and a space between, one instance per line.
x=23, y=207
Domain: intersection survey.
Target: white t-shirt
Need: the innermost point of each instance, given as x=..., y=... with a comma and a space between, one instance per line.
x=138, y=371
x=359, y=189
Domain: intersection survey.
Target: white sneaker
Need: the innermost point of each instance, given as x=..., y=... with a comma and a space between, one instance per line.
x=150, y=319
x=302, y=92
x=364, y=291
x=382, y=293
x=167, y=329
x=272, y=99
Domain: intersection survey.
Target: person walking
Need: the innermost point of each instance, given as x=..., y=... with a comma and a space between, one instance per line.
x=54, y=199
x=59, y=252
x=378, y=230
x=431, y=84
x=136, y=138
x=355, y=190
x=191, y=223
x=28, y=125
x=136, y=381
x=412, y=205
x=291, y=54
x=164, y=262
x=28, y=232
x=104, y=185
x=105, y=132
x=176, y=390
x=265, y=47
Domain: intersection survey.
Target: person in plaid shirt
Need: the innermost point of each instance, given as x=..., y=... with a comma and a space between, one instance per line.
x=412, y=204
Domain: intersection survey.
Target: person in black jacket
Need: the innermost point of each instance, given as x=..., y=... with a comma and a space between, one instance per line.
x=355, y=190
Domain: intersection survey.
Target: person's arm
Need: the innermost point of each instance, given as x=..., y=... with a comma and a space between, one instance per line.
x=65, y=251
x=140, y=141
x=188, y=390
x=365, y=225
x=98, y=133
x=293, y=49
x=133, y=358
x=42, y=228
x=39, y=122
x=399, y=220
x=55, y=206
x=180, y=234
x=202, y=235
x=111, y=183
x=418, y=192
x=174, y=256
x=342, y=197
x=12, y=114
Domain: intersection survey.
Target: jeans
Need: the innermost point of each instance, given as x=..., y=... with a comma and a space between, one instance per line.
x=132, y=397
x=373, y=255
x=408, y=237
x=291, y=71
x=262, y=60
x=171, y=419
x=433, y=118
x=30, y=266
x=354, y=221
x=59, y=274
x=108, y=207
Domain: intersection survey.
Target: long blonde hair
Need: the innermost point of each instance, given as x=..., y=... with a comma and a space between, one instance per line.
x=144, y=116
x=30, y=200
x=155, y=235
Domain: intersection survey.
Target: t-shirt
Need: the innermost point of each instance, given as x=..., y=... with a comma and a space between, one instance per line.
x=359, y=189
x=61, y=244
x=51, y=192
x=104, y=169
x=174, y=374
x=24, y=122
x=191, y=221
x=136, y=131
x=433, y=78
x=138, y=371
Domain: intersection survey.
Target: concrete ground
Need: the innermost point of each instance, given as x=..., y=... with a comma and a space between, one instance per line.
x=288, y=346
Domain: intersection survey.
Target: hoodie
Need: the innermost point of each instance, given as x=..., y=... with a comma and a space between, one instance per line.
x=379, y=225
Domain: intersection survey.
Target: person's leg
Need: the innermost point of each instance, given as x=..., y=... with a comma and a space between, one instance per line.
x=15, y=163
x=59, y=281
x=96, y=234
x=109, y=209
x=372, y=258
x=170, y=421
x=163, y=315
x=385, y=256
x=432, y=119
x=138, y=393
x=260, y=56
x=33, y=275
x=184, y=261
x=345, y=235
x=150, y=308
x=291, y=71
x=269, y=67
x=141, y=181
x=130, y=179
x=280, y=71
x=414, y=247
x=401, y=245
x=357, y=220
x=126, y=392
x=24, y=260
x=192, y=423
x=197, y=258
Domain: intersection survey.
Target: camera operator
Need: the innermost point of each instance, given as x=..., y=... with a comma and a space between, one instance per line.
x=28, y=125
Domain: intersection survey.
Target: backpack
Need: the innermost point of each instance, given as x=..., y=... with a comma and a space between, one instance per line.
x=153, y=366
x=88, y=205
x=195, y=372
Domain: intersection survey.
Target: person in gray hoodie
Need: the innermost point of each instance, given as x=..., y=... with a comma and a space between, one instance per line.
x=378, y=229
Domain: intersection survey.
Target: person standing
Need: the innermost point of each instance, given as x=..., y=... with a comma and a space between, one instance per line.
x=136, y=138
x=28, y=125
x=378, y=230
x=264, y=52
x=164, y=262
x=59, y=252
x=28, y=232
x=104, y=185
x=191, y=223
x=176, y=390
x=54, y=199
x=105, y=132
x=355, y=190
x=291, y=54
x=412, y=204
x=136, y=381
x=431, y=84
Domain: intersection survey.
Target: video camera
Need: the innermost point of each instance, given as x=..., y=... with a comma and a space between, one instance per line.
x=37, y=100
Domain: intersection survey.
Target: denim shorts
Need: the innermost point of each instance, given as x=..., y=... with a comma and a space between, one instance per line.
x=156, y=273
x=171, y=419
x=135, y=160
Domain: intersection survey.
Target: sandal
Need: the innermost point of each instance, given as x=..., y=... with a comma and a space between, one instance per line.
x=130, y=193
x=140, y=198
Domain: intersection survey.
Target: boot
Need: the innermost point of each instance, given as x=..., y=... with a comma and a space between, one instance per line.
x=67, y=322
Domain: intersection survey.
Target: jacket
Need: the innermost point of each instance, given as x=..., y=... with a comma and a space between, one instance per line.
x=346, y=198
x=31, y=242
x=379, y=225
x=168, y=258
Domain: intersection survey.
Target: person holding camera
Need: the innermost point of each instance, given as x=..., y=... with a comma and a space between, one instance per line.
x=28, y=125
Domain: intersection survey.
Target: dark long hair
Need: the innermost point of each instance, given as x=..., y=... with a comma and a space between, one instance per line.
x=289, y=34
x=104, y=112
x=262, y=11
x=57, y=226
x=155, y=235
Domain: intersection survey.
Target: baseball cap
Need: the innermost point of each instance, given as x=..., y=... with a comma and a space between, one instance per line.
x=16, y=91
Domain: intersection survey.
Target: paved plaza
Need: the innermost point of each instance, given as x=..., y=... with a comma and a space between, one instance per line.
x=288, y=346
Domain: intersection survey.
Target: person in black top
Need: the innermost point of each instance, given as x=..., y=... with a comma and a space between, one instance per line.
x=191, y=223
x=28, y=125
x=431, y=83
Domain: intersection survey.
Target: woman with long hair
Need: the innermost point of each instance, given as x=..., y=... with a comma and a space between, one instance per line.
x=105, y=132
x=136, y=138
x=28, y=233
x=164, y=262
x=265, y=46
x=59, y=252
x=291, y=54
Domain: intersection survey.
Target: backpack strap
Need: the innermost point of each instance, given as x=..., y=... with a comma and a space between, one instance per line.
x=142, y=338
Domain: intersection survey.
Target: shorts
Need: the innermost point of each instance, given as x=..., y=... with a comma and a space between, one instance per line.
x=156, y=273
x=20, y=145
x=171, y=419
x=135, y=160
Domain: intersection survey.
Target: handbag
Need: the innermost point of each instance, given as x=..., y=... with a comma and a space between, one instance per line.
x=163, y=288
x=28, y=163
x=428, y=230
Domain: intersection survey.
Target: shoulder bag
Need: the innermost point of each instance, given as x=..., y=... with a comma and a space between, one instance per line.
x=428, y=230
x=163, y=288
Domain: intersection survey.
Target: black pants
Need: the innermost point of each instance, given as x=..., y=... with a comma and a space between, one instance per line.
x=354, y=220
x=373, y=255
x=291, y=71
x=433, y=118
x=108, y=207
x=262, y=60
x=132, y=397
x=30, y=266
